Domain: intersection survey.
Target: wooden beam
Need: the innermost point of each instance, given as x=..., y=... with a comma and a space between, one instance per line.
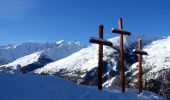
x=100, y=41
x=120, y=31
x=140, y=52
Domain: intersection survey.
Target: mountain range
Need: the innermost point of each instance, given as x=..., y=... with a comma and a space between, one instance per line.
x=78, y=63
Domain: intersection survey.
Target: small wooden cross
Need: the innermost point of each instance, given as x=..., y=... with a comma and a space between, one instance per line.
x=101, y=42
x=140, y=53
x=121, y=32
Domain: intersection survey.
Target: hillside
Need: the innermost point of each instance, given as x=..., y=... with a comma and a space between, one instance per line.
x=156, y=67
x=38, y=55
x=81, y=66
x=53, y=50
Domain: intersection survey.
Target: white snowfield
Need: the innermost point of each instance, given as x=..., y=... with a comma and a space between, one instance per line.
x=31, y=86
x=158, y=58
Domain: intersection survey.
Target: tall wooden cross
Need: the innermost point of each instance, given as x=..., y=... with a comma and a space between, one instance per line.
x=140, y=53
x=101, y=42
x=121, y=32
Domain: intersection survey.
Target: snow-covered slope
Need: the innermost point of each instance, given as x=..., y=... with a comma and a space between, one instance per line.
x=156, y=69
x=81, y=66
x=84, y=60
x=41, y=58
x=157, y=64
x=158, y=58
x=12, y=52
x=26, y=60
x=30, y=86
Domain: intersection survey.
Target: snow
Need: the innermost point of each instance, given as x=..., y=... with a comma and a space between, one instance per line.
x=70, y=57
x=87, y=58
x=24, y=61
x=146, y=39
x=60, y=42
x=12, y=52
x=84, y=60
x=109, y=82
x=158, y=57
x=31, y=86
x=73, y=62
x=62, y=50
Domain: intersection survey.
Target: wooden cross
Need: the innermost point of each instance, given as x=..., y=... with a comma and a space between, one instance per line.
x=101, y=42
x=121, y=32
x=140, y=53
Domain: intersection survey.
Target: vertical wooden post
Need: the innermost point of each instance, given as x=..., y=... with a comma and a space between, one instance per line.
x=120, y=26
x=101, y=42
x=100, y=63
x=122, y=67
x=140, y=53
x=140, y=66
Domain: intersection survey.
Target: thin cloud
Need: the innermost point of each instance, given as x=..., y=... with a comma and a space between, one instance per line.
x=13, y=9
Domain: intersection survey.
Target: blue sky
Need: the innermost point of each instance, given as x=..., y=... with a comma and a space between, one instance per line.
x=51, y=20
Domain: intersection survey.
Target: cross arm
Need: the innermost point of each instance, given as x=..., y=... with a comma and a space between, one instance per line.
x=100, y=41
x=140, y=52
x=120, y=31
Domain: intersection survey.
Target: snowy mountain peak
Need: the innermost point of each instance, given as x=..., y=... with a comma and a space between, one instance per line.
x=13, y=52
x=87, y=59
x=75, y=42
x=60, y=42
